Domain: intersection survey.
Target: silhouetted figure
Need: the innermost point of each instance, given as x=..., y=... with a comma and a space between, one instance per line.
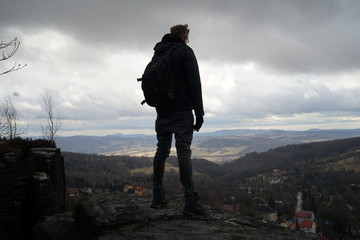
x=176, y=118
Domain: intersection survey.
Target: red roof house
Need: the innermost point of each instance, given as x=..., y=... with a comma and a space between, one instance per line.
x=72, y=192
x=308, y=226
x=301, y=215
x=128, y=189
x=305, y=221
x=139, y=191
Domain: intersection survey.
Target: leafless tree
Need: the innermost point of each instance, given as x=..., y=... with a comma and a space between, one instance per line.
x=8, y=49
x=9, y=118
x=3, y=130
x=53, y=122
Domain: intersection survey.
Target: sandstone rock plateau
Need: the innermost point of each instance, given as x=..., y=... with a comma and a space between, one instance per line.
x=125, y=216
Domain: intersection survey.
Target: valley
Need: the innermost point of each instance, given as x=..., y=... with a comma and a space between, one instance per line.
x=263, y=185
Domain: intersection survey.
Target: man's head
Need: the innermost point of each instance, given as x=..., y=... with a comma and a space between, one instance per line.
x=181, y=31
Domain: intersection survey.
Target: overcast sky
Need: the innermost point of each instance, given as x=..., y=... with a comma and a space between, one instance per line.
x=282, y=64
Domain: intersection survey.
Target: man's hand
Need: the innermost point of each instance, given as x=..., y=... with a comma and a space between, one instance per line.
x=198, y=123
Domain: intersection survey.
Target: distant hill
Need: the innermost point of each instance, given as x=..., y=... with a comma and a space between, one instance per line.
x=336, y=155
x=219, y=146
x=117, y=144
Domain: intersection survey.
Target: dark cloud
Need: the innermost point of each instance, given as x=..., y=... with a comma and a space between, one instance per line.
x=293, y=36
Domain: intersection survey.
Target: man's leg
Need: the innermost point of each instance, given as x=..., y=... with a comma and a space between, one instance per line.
x=162, y=153
x=183, y=143
x=163, y=150
x=183, y=137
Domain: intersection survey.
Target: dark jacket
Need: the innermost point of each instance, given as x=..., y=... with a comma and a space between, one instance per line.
x=188, y=95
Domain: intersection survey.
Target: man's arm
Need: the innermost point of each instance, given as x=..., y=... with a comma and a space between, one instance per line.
x=193, y=79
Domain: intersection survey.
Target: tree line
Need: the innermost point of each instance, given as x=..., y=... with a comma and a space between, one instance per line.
x=9, y=119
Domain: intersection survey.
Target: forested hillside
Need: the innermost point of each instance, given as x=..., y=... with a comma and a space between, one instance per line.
x=99, y=171
x=295, y=156
x=330, y=155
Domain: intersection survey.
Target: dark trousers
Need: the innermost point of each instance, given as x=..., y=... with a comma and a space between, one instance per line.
x=179, y=124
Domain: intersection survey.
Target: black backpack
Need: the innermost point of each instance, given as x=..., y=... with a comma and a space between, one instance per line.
x=157, y=81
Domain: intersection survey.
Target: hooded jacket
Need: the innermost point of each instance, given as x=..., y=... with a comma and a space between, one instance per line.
x=188, y=94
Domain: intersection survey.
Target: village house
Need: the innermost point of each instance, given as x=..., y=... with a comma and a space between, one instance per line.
x=72, y=192
x=276, y=176
x=355, y=187
x=283, y=222
x=139, y=191
x=279, y=173
x=308, y=226
x=230, y=204
x=354, y=229
x=305, y=221
x=301, y=215
x=267, y=213
x=86, y=190
x=129, y=189
x=275, y=181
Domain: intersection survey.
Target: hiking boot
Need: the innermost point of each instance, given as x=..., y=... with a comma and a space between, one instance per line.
x=192, y=206
x=159, y=200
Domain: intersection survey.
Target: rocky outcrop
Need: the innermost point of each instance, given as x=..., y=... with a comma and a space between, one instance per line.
x=12, y=197
x=124, y=216
x=47, y=176
x=32, y=188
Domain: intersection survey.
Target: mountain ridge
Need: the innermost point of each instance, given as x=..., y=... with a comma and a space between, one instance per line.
x=218, y=146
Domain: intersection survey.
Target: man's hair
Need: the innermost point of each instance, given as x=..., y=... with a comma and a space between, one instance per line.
x=180, y=30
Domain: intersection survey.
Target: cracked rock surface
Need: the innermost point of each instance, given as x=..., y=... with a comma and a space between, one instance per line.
x=123, y=216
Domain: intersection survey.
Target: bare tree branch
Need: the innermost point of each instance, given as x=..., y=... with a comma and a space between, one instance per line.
x=14, y=68
x=9, y=118
x=13, y=45
x=53, y=123
x=3, y=128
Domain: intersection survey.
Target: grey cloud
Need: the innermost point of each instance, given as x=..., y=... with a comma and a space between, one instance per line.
x=288, y=35
x=292, y=36
x=122, y=23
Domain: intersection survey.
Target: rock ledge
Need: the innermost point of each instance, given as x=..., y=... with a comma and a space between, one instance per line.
x=124, y=216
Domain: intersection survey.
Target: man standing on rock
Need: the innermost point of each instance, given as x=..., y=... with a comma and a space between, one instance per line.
x=176, y=118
